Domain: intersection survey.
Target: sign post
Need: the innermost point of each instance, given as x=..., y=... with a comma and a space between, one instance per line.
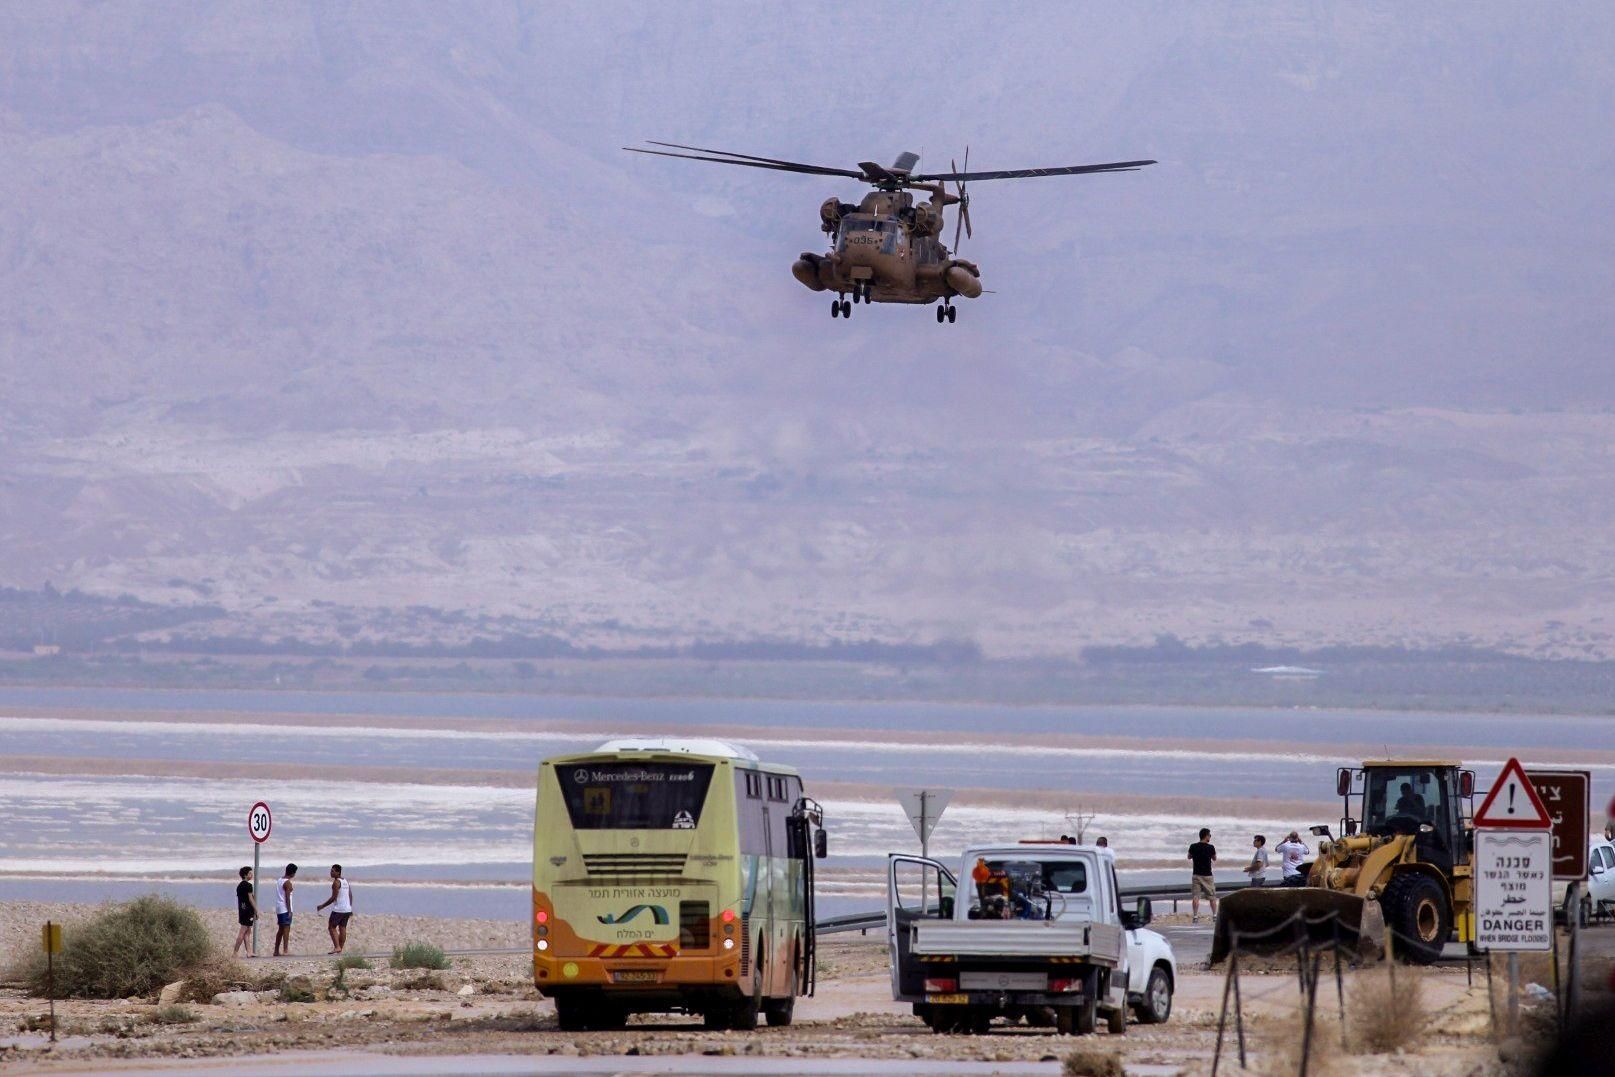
x=1513, y=874
x=1566, y=795
x=924, y=808
x=259, y=824
x=51, y=940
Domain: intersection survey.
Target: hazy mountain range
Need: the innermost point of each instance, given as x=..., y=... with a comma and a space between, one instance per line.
x=320, y=312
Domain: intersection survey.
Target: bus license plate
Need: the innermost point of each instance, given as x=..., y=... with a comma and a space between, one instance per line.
x=949, y=1000
x=636, y=976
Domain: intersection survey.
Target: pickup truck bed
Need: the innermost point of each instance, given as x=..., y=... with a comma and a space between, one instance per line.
x=1099, y=944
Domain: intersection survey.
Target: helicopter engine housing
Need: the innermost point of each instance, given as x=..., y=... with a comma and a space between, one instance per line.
x=831, y=212
x=806, y=270
x=962, y=280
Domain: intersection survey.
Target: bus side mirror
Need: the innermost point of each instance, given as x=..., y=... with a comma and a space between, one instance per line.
x=1466, y=783
x=1342, y=781
x=821, y=844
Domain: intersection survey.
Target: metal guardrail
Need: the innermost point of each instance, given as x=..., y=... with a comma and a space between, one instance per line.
x=864, y=921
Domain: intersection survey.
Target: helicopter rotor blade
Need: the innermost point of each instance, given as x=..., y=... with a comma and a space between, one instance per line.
x=772, y=165
x=1028, y=173
x=731, y=154
x=964, y=199
x=959, y=217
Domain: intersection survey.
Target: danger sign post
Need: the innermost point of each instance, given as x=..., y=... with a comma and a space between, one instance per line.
x=1513, y=866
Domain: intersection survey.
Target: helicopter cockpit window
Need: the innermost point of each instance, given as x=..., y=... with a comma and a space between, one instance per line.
x=891, y=237
x=889, y=232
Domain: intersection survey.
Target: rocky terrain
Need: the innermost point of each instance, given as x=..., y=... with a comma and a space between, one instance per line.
x=357, y=327
x=486, y=1005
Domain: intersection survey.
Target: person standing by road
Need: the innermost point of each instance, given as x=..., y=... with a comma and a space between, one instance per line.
x=1257, y=868
x=246, y=913
x=341, y=902
x=283, y=912
x=1202, y=854
x=1292, y=851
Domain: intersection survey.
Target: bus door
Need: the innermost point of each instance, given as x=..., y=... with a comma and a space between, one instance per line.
x=768, y=869
x=916, y=889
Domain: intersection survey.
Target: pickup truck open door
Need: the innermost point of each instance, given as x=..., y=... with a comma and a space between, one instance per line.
x=916, y=889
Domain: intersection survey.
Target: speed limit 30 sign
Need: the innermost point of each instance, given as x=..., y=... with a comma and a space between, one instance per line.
x=259, y=822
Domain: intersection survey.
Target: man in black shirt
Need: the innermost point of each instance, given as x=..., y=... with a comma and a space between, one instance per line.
x=1201, y=855
x=246, y=912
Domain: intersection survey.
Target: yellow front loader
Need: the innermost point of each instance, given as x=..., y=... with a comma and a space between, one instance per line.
x=1398, y=877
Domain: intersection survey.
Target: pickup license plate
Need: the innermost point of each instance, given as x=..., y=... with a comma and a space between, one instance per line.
x=636, y=976
x=948, y=1000
x=1004, y=981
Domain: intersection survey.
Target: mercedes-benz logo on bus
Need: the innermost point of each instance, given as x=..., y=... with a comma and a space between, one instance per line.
x=580, y=775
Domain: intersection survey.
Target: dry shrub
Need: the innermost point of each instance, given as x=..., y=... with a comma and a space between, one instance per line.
x=426, y=981
x=418, y=955
x=1088, y=1061
x=298, y=989
x=123, y=950
x=213, y=976
x=1387, y=1011
x=173, y=1015
x=1282, y=1039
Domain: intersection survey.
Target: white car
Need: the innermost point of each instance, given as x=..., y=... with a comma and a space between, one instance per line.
x=1598, y=889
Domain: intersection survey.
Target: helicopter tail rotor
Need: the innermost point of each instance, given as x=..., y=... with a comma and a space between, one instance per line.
x=963, y=220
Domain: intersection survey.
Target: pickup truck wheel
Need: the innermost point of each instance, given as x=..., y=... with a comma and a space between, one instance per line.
x=1086, y=1016
x=1116, y=1021
x=1157, y=1004
x=1040, y=1017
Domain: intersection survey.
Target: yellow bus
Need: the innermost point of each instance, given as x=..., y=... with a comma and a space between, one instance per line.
x=673, y=876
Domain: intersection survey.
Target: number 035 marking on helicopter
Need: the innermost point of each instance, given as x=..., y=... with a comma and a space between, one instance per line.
x=888, y=248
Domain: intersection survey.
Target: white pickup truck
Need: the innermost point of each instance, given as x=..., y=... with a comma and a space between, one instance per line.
x=1038, y=934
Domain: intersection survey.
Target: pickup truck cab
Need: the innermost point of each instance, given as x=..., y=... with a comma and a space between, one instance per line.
x=1036, y=932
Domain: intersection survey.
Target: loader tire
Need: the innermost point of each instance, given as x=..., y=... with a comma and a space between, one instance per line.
x=1415, y=907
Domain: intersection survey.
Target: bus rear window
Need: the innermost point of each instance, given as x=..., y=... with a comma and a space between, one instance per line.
x=634, y=796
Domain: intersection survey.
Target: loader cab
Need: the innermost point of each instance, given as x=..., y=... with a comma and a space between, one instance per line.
x=1427, y=799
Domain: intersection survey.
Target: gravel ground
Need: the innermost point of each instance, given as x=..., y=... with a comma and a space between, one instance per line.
x=486, y=1005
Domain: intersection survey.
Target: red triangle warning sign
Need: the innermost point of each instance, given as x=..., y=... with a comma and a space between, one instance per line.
x=1512, y=803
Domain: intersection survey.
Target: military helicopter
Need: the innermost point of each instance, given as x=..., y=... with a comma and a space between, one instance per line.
x=888, y=248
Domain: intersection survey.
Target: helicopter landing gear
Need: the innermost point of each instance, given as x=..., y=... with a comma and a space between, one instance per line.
x=947, y=312
x=840, y=308
x=863, y=292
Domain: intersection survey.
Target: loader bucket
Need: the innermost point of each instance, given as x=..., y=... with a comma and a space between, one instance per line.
x=1269, y=919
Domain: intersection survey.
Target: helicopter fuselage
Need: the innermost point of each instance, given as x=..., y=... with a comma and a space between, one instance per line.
x=886, y=249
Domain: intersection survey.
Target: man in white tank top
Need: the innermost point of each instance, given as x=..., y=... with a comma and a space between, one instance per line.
x=341, y=902
x=283, y=911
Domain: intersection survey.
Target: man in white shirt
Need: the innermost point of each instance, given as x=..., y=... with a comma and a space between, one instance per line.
x=1292, y=851
x=1104, y=850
